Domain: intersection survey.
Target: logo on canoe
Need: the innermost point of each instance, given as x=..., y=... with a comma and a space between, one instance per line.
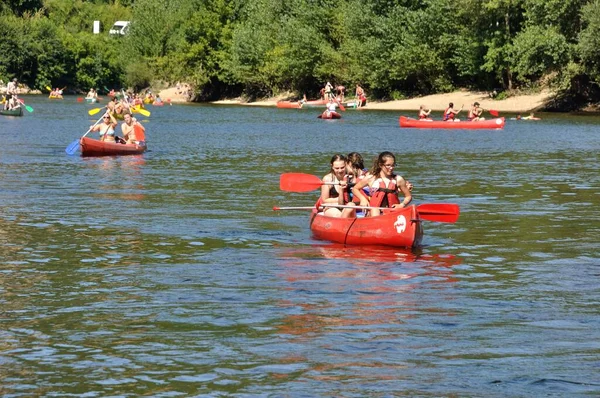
x=400, y=224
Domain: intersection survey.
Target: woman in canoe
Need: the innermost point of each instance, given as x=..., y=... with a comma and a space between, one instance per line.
x=335, y=190
x=384, y=186
x=331, y=106
x=475, y=113
x=450, y=113
x=424, y=114
x=106, y=128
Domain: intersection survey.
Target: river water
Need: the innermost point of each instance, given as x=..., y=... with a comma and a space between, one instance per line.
x=169, y=274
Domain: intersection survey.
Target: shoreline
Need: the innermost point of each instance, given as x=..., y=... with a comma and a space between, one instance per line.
x=436, y=102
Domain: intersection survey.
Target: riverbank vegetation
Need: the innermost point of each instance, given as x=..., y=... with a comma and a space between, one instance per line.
x=259, y=48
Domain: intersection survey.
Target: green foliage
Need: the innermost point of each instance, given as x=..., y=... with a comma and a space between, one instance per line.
x=537, y=51
x=588, y=48
x=393, y=49
x=138, y=75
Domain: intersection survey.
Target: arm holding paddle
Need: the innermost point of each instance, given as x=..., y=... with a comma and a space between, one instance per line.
x=402, y=185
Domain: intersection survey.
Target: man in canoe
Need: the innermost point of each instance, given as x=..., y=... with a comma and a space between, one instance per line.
x=384, y=186
x=128, y=130
x=475, y=113
x=12, y=87
x=12, y=103
x=450, y=113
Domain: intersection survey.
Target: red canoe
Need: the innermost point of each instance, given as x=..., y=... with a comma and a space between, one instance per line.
x=288, y=105
x=92, y=147
x=329, y=115
x=399, y=227
x=497, y=123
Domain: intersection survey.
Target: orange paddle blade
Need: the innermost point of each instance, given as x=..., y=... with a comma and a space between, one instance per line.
x=494, y=112
x=440, y=212
x=138, y=131
x=299, y=182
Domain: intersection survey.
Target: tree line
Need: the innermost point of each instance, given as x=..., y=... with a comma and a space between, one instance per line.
x=255, y=48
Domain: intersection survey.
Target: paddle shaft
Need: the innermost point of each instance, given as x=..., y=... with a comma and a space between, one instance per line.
x=94, y=125
x=442, y=212
x=331, y=205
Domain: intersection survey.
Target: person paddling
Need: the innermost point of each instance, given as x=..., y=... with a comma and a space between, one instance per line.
x=450, y=113
x=384, y=186
x=424, y=114
x=336, y=193
x=331, y=108
x=475, y=113
x=106, y=128
x=127, y=128
x=12, y=87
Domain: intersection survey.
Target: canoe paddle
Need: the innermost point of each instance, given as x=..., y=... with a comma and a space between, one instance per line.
x=74, y=146
x=493, y=112
x=29, y=109
x=438, y=212
x=92, y=112
x=300, y=182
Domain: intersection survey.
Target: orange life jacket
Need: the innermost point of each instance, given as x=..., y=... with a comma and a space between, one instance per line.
x=384, y=196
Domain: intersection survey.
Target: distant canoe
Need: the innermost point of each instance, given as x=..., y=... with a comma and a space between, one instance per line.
x=57, y=96
x=497, y=123
x=91, y=100
x=13, y=112
x=329, y=115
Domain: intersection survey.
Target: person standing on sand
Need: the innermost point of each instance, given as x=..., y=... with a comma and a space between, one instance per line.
x=328, y=91
x=341, y=92
x=361, y=98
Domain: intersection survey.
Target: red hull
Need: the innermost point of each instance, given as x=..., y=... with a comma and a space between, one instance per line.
x=396, y=227
x=92, y=147
x=497, y=123
x=288, y=105
x=329, y=115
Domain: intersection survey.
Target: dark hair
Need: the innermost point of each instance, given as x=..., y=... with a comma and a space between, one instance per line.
x=335, y=158
x=356, y=161
x=452, y=105
x=380, y=161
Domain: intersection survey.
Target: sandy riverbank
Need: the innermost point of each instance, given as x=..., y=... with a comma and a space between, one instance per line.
x=437, y=102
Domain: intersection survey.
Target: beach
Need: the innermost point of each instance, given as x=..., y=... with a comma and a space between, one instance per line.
x=436, y=102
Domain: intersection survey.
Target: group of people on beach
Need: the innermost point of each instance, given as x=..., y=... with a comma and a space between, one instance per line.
x=338, y=94
x=349, y=186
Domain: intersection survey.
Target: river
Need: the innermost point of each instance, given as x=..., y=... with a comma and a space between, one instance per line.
x=169, y=274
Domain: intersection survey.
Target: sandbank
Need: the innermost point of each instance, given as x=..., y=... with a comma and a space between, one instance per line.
x=436, y=102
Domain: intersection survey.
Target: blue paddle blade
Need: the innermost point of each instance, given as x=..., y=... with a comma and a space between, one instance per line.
x=73, y=147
